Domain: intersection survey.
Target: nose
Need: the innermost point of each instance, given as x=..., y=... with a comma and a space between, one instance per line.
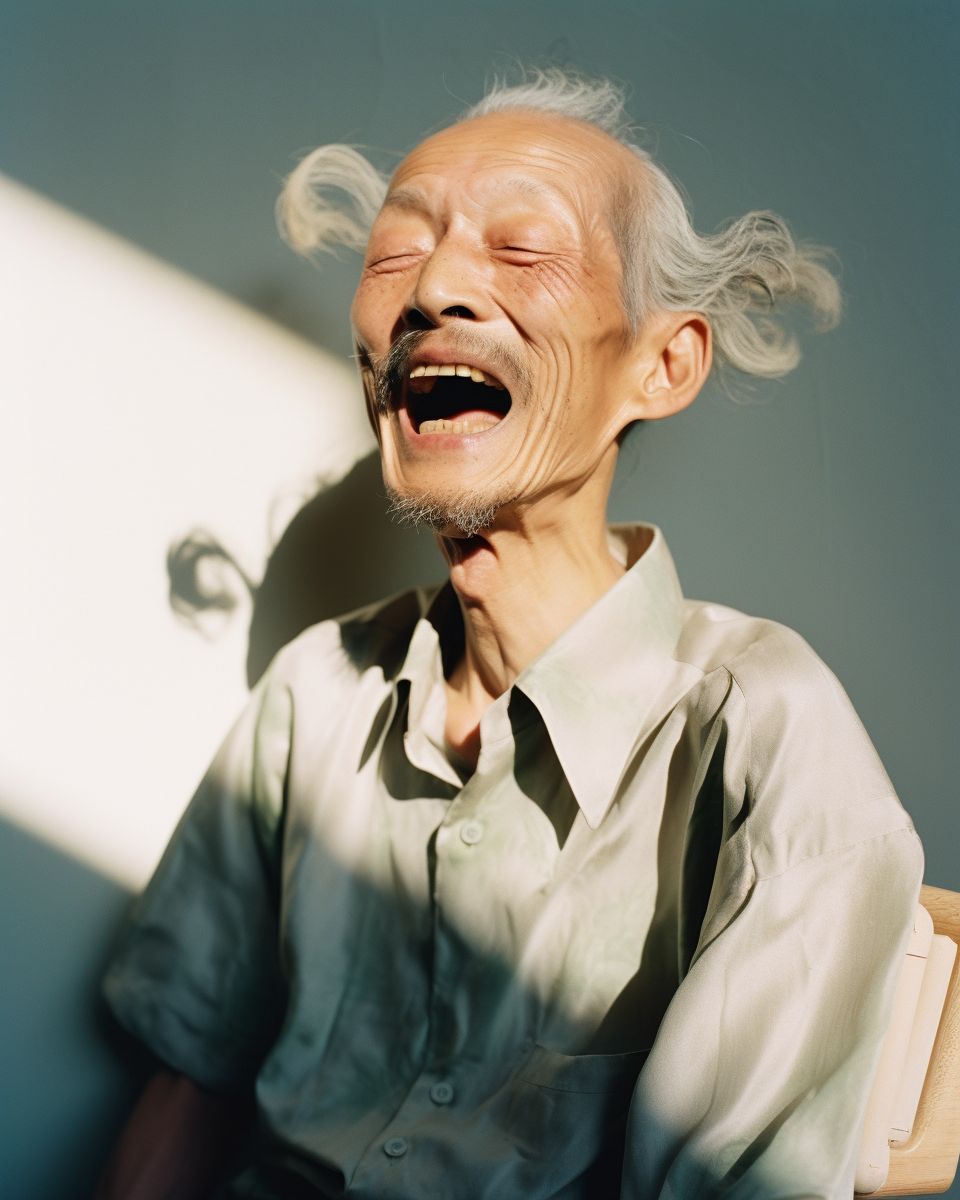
x=449, y=286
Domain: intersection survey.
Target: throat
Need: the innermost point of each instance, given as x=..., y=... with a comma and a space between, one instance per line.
x=517, y=595
x=462, y=731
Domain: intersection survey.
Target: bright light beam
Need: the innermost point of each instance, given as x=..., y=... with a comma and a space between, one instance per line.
x=137, y=403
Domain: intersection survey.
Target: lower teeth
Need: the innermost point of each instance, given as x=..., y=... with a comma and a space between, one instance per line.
x=443, y=426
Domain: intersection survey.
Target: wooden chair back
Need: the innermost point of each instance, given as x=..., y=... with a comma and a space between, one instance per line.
x=926, y=1163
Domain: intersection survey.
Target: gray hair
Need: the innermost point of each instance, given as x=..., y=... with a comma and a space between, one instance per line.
x=737, y=277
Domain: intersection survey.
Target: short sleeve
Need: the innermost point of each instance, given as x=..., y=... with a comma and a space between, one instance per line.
x=196, y=975
x=757, y=1084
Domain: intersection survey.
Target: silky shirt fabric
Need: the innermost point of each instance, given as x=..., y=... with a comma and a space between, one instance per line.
x=646, y=949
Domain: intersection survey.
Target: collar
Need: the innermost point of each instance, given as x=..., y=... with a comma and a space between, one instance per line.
x=601, y=687
x=610, y=678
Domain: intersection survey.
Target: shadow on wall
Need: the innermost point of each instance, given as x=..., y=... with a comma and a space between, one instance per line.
x=66, y=1090
x=340, y=552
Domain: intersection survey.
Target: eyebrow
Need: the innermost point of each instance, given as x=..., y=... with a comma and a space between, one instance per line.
x=412, y=198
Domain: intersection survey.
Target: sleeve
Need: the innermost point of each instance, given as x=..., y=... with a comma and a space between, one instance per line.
x=196, y=975
x=758, y=1080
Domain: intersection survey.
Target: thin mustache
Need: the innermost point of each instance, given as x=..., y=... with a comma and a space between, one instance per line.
x=390, y=370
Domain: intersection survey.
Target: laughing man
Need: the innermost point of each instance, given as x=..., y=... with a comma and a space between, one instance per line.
x=548, y=882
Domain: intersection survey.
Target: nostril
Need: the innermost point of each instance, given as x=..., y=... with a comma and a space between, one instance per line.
x=458, y=310
x=415, y=319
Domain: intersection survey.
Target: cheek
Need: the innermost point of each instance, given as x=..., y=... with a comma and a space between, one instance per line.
x=548, y=287
x=585, y=302
x=373, y=311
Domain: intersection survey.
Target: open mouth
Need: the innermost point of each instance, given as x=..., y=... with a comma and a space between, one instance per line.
x=454, y=398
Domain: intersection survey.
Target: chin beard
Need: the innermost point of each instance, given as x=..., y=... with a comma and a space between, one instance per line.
x=468, y=513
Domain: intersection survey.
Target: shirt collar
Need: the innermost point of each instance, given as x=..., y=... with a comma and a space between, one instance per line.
x=602, y=686
x=610, y=678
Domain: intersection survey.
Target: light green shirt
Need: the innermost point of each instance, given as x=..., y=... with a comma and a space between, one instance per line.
x=647, y=949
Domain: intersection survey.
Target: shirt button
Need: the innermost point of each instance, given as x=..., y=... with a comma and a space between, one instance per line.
x=395, y=1147
x=471, y=832
x=442, y=1092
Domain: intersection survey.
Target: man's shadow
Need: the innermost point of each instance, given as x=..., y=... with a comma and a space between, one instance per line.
x=340, y=552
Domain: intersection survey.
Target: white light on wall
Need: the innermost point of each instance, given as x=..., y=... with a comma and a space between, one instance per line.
x=136, y=403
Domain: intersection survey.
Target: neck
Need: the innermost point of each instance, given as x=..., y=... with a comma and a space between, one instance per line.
x=519, y=587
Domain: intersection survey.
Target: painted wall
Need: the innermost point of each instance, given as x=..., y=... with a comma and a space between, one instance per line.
x=169, y=365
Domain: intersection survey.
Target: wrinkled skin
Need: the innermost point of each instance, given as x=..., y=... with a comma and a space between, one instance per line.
x=496, y=239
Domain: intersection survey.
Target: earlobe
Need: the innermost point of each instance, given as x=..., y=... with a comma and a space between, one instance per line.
x=678, y=358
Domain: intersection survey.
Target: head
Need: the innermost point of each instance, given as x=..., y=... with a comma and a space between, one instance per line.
x=532, y=287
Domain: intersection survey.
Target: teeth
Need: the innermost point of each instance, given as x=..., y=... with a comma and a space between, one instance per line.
x=460, y=369
x=477, y=425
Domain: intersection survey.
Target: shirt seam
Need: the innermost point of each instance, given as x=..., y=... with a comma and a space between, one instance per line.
x=837, y=850
x=758, y=877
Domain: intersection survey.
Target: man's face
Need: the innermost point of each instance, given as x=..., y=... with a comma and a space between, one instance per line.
x=492, y=274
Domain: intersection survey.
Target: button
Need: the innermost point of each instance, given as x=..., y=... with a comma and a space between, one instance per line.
x=395, y=1147
x=471, y=832
x=441, y=1092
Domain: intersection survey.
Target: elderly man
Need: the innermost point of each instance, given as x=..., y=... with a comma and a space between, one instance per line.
x=548, y=882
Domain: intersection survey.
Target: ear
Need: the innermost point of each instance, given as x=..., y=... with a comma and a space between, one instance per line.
x=675, y=351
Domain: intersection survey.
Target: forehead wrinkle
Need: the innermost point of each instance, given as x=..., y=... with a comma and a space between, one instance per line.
x=518, y=142
x=411, y=196
x=486, y=185
x=408, y=198
x=535, y=156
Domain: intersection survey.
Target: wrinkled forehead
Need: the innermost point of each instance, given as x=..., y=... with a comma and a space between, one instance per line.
x=542, y=161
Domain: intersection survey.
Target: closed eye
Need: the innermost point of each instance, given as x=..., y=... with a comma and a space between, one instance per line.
x=520, y=255
x=395, y=262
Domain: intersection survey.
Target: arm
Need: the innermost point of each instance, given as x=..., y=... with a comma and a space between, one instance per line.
x=175, y=1143
x=196, y=974
x=758, y=1080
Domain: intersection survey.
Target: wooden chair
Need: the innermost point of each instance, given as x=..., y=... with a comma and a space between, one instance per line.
x=911, y=1147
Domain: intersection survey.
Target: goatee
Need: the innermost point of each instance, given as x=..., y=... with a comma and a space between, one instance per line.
x=469, y=514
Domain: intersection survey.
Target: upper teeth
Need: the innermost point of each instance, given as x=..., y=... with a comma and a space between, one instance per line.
x=460, y=369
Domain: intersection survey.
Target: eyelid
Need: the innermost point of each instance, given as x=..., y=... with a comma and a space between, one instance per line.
x=520, y=255
x=394, y=262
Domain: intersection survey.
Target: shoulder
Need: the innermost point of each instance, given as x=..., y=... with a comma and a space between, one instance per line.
x=339, y=666
x=342, y=649
x=767, y=669
x=812, y=779
x=779, y=676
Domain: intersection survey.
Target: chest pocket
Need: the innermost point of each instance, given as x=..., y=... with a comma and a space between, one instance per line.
x=567, y=1114
x=589, y=1074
